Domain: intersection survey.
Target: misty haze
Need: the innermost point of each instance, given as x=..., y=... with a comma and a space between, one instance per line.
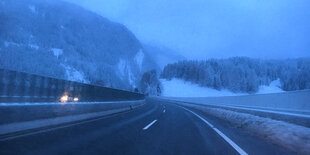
x=154, y=77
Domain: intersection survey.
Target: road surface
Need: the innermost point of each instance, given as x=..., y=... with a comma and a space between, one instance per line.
x=158, y=127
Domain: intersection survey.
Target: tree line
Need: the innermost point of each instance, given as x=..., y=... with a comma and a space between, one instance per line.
x=242, y=74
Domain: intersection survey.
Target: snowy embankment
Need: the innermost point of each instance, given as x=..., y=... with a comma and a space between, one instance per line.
x=181, y=88
x=280, y=118
x=288, y=135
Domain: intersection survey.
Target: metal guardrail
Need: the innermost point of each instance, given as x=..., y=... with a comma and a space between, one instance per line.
x=23, y=87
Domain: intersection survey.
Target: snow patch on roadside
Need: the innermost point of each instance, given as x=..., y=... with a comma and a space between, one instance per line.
x=273, y=87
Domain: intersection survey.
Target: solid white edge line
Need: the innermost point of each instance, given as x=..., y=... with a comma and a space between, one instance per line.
x=149, y=125
x=228, y=140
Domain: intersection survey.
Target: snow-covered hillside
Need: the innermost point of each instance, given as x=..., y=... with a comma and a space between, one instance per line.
x=242, y=74
x=59, y=39
x=180, y=88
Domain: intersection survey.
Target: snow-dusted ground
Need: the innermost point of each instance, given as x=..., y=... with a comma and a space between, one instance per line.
x=274, y=87
x=181, y=88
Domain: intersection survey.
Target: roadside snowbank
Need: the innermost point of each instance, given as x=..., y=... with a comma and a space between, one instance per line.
x=291, y=136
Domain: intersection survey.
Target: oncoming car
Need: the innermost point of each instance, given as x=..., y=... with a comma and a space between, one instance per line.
x=66, y=98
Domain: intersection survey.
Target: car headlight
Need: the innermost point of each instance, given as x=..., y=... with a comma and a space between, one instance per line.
x=64, y=98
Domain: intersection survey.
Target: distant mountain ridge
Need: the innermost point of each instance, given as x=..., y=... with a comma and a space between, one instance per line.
x=63, y=40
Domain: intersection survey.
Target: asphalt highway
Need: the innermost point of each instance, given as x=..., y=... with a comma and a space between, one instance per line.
x=158, y=127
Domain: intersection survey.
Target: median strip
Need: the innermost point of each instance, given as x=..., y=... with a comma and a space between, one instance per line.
x=6, y=130
x=20, y=126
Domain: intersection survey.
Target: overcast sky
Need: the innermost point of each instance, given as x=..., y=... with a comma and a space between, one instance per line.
x=217, y=28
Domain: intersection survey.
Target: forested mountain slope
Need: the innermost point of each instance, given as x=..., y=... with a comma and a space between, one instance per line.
x=59, y=39
x=241, y=74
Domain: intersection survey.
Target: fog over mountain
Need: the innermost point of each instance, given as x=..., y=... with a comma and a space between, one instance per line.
x=199, y=29
x=162, y=55
x=63, y=40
